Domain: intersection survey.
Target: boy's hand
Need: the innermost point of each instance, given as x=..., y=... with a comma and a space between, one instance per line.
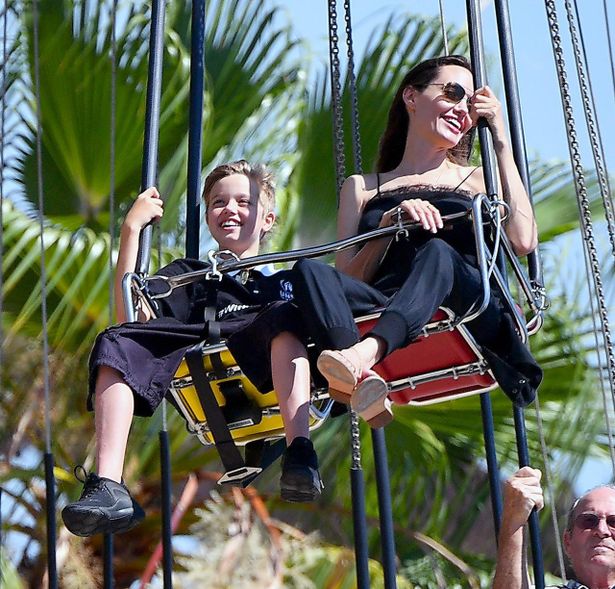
x=147, y=208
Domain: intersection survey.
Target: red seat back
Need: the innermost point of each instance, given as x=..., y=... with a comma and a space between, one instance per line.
x=431, y=368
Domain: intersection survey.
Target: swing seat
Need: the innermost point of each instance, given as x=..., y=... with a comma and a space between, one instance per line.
x=442, y=364
x=250, y=415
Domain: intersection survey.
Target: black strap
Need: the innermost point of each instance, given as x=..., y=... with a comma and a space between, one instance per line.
x=263, y=453
x=227, y=449
x=212, y=330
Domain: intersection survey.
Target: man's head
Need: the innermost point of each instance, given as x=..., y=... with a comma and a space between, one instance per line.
x=239, y=206
x=589, y=539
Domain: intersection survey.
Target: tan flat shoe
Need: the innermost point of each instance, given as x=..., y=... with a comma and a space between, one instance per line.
x=341, y=373
x=371, y=402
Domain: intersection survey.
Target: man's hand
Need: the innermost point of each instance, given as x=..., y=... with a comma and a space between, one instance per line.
x=522, y=492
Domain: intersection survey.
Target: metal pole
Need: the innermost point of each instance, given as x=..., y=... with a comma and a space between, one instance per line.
x=195, y=131
x=385, y=510
x=486, y=149
x=533, y=522
x=167, y=512
x=492, y=461
x=515, y=118
x=108, y=561
x=50, y=486
x=359, y=523
x=149, y=167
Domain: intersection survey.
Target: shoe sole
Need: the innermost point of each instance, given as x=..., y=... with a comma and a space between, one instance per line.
x=370, y=401
x=340, y=374
x=92, y=522
x=295, y=489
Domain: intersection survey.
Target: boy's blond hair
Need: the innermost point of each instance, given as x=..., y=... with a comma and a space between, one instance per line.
x=257, y=172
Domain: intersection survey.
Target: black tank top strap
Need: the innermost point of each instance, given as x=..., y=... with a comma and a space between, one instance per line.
x=463, y=181
x=377, y=185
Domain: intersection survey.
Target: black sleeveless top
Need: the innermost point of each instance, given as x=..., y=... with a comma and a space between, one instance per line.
x=396, y=262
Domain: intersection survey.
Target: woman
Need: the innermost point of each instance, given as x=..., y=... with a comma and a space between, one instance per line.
x=422, y=175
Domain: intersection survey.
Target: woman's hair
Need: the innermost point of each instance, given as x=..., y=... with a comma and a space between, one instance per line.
x=393, y=140
x=257, y=172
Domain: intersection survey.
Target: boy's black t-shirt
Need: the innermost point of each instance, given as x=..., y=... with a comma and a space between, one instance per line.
x=234, y=298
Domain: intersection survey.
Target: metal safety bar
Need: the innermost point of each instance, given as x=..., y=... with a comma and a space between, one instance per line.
x=134, y=285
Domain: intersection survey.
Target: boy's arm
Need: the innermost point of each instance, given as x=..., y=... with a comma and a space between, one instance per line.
x=146, y=209
x=522, y=492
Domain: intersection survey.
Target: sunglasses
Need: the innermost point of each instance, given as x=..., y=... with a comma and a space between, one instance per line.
x=590, y=521
x=453, y=92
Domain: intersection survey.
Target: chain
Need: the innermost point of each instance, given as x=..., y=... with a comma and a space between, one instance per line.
x=581, y=188
x=340, y=162
x=589, y=107
x=356, y=134
x=355, y=441
x=336, y=95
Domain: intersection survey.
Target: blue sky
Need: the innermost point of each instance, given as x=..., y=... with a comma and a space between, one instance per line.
x=539, y=89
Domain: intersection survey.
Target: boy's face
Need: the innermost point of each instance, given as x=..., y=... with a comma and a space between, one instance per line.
x=236, y=216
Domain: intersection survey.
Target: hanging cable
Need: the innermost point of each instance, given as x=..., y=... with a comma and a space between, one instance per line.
x=48, y=458
x=548, y=479
x=589, y=104
x=112, y=122
x=602, y=371
x=609, y=43
x=108, y=581
x=357, y=480
x=336, y=98
x=3, y=89
x=585, y=215
x=354, y=99
x=387, y=534
x=443, y=25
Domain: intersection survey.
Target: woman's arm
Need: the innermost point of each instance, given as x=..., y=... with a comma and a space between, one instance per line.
x=146, y=208
x=363, y=262
x=360, y=263
x=521, y=224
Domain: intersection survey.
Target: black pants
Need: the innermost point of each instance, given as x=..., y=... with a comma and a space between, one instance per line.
x=437, y=276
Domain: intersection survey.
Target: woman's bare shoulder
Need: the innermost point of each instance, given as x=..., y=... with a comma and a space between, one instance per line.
x=359, y=187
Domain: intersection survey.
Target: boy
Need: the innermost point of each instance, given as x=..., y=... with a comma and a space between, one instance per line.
x=131, y=365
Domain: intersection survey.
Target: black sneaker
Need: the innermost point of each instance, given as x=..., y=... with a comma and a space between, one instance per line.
x=104, y=506
x=300, y=480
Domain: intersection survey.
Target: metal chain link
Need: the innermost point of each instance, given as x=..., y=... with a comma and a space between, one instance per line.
x=352, y=81
x=355, y=441
x=336, y=93
x=340, y=169
x=581, y=188
x=589, y=108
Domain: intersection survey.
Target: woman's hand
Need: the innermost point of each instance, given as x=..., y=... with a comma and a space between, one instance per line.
x=485, y=104
x=147, y=208
x=415, y=209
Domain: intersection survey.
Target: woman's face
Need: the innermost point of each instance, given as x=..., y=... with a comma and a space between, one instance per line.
x=435, y=113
